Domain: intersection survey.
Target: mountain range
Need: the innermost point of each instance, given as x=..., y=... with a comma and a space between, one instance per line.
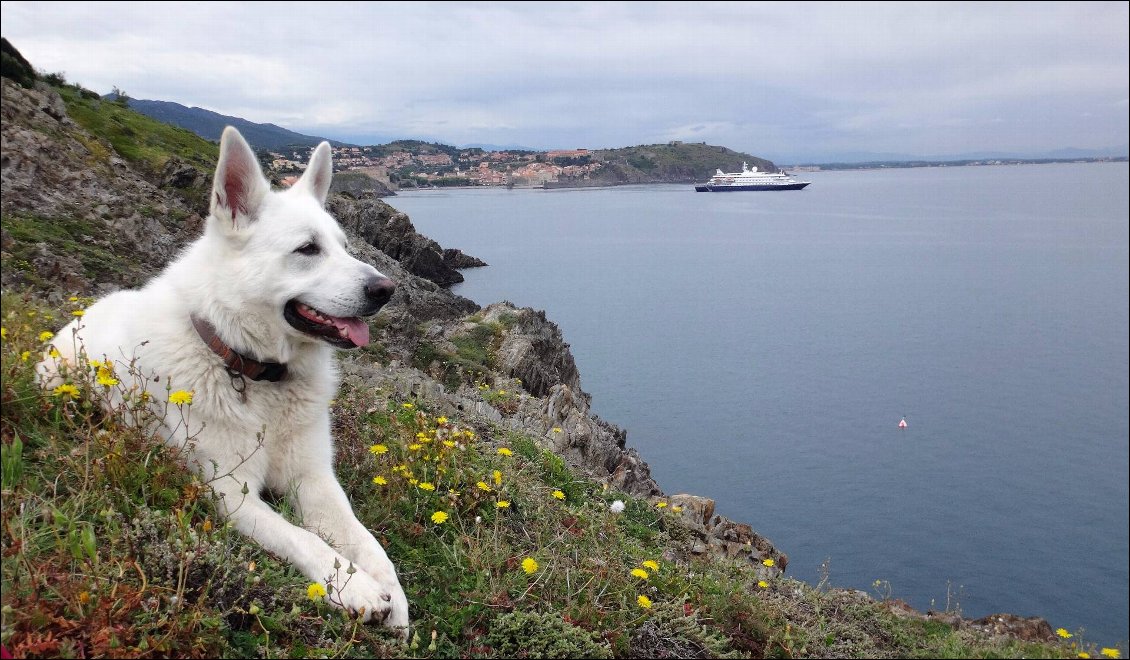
x=209, y=125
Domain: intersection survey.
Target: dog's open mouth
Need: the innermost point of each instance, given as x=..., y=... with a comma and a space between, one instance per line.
x=343, y=332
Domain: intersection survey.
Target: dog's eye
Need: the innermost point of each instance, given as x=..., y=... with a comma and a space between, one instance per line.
x=309, y=249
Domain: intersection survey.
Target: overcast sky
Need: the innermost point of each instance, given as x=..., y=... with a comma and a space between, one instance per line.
x=786, y=81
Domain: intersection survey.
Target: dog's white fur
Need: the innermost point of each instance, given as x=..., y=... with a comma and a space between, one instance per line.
x=238, y=276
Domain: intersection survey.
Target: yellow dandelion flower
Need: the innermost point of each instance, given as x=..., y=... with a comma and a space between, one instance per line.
x=644, y=602
x=439, y=517
x=408, y=406
x=449, y=443
x=415, y=446
x=378, y=449
x=54, y=352
x=413, y=480
x=1111, y=653
x=558, y=495
x=73, y=299
x=106, y=376
x=557, y=429
x=767, y=562
x=505, y=452
x=676, y=508
x=483, y=486
x=315, y=591
x=426, y=486
x=661, y=505
x=78, y=312
x=25, y=356
x=66, y=389
x=529, y=565
x=45, y=335
x=84, y=597
x=497, y=478
x=380, y=481
x=4, y=333
x=652, y=564
x=640, y=573
x=502, y=393
x=502, y=504
x=441, y=420
x=1083, y=654
x=1062, y=632
x=181, y=398
x=763, y=584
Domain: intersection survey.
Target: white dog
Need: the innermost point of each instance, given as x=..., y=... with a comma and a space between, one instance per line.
x=246, y=319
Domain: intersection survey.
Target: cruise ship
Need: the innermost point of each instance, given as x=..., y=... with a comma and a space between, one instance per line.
x=750, y=179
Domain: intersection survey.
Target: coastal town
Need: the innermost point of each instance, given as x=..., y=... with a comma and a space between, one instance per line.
x=410, y=164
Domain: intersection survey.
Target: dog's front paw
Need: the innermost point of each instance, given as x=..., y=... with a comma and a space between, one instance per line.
x=372, y=600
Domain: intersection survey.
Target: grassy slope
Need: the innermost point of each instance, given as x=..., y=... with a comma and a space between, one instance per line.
x=110, y=548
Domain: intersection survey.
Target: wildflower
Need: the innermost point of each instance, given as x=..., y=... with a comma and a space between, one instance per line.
x=558, y=495
x=483, y=486
x=315, y=591
x=763, y=584
x=502, y=504
x=412, y=480
x=502, y=393
x=78, y=312
x=661, y=505
x=1062, y=632
x=441, y=420
x=767, y=562
x=106, y=377
x=616, y=507
x=415, y=446
x=1083, y=654
x=66, y=389
x=25, y=356
x=408, y=406
x=45, y=335
x=181, y=397
x=378, y=449
x=4, y=333
x=54, y=352
x=439, y=517
x=505, y=452
x=497, y=478
x=426, y=486
x=529, y=565
x=676, y=508
x=1111, y=653
x=380, y=481
x=640, y=573
x=207, y=526
x=557, y=429
x=470, y=434
x=449, y=443
x=644, y=602
x=650, y=563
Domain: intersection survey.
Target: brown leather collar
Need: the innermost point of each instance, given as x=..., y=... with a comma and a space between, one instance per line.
x=237, y=365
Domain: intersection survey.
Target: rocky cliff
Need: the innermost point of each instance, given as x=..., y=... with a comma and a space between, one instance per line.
x=80, y=218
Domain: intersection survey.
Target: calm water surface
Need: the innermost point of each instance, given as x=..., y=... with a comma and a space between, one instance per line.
x=761, y=348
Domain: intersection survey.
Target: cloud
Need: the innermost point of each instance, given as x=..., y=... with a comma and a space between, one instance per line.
x=756, y=76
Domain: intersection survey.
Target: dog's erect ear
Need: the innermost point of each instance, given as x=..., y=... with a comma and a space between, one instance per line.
x=316, y=178
x=239, y=186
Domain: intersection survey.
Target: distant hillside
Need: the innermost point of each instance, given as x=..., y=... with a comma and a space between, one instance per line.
x=674, y=162
x=209, y=125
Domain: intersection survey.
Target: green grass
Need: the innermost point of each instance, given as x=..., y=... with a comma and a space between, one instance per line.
x=111, y=548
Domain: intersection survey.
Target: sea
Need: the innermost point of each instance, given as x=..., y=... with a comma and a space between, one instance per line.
x=761, y=349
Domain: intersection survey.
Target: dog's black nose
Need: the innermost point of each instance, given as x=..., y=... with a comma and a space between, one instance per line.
x=379, y=290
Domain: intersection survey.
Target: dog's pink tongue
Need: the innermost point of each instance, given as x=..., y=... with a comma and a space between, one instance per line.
x=358, y=329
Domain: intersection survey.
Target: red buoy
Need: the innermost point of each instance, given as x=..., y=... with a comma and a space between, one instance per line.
x=902, y=424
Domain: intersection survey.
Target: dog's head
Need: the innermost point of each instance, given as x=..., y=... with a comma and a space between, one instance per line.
x=283, y=257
